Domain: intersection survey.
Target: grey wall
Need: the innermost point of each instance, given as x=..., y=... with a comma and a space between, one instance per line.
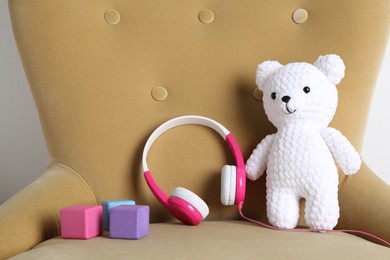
x=376, y=148
x=23, y=154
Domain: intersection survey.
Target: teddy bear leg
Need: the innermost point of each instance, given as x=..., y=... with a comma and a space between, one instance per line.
x=282, y=208
x=322, y=212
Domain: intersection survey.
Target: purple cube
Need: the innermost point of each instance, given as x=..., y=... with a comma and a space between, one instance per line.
x=129, y=222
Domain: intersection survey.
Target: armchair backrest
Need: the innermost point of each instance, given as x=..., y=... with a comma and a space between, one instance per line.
x=105, y=74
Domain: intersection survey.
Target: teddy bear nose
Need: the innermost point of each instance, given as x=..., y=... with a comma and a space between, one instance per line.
x=285, y=99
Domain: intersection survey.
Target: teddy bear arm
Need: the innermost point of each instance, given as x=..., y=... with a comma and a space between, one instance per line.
x=342, y=150
x=257, y=162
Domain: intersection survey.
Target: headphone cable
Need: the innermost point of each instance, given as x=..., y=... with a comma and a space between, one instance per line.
x=311, y=229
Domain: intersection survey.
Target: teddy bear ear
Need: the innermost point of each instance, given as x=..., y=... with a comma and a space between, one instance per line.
x=332, y=66
x=264, y=71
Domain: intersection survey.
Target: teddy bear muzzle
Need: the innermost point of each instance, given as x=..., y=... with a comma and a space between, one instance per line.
x=287, y=109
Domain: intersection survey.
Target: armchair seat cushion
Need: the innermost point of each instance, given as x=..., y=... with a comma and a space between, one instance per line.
x=213, y=240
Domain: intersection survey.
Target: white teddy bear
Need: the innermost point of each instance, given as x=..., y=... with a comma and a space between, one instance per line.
x=300, y=99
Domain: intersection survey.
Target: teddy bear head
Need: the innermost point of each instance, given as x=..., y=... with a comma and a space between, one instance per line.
x=300, y=93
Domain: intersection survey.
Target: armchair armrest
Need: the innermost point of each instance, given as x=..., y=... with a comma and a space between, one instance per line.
x=365, y=203
x=32, y=215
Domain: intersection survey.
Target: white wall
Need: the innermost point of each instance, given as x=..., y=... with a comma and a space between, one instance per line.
x=376, y=148
x=23, y=154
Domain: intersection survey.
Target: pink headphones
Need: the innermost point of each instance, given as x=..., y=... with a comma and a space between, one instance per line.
x=183, y=204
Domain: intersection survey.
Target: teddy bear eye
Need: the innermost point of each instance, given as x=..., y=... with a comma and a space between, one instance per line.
x=306, y=89
x=273, y=95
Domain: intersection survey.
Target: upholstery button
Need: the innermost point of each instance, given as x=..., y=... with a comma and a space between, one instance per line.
x=159, y=93
x=206, y=16
x=300, y=16
x=258, y=94
x=112, y=16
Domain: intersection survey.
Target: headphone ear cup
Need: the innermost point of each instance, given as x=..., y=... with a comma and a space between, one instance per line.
x=228, y=185
x=187, y=207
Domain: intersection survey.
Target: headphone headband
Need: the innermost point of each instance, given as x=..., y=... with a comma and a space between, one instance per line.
x=178, y=121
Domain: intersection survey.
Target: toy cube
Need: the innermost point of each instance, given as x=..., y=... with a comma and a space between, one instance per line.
x=81, y=222
x=129, y=222
x=107, y=205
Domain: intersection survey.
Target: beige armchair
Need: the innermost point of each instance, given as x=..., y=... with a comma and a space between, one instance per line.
x=93, y=67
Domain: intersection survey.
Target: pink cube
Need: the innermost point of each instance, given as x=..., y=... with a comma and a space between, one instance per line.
x=81, y=222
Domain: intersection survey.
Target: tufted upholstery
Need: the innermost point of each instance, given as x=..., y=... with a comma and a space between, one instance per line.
x=93, y=66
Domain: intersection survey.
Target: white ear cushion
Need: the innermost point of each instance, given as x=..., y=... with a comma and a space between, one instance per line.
x=192, y=199
x=228, y=185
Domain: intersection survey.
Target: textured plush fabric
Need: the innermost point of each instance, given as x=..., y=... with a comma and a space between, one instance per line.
x=93, y=80
x=213, y=240
x=300, y=99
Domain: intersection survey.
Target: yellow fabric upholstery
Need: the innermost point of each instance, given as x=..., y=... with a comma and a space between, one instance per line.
x=32, y=215
x=92, y=74
x=213, y=240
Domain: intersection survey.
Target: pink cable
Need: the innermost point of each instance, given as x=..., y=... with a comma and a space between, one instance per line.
x=310, y=229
